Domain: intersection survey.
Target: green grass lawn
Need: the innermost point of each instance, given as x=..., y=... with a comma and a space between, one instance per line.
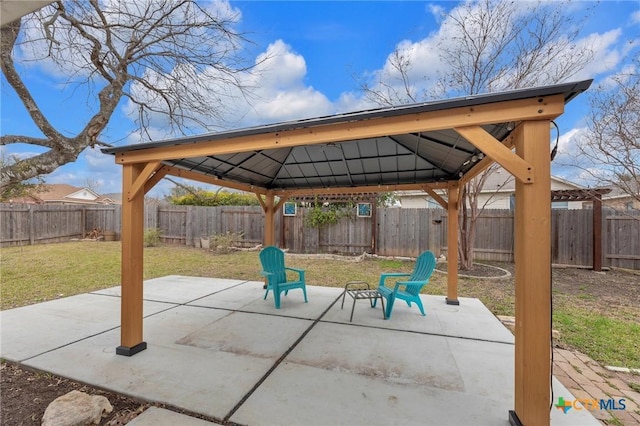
x=38, y=273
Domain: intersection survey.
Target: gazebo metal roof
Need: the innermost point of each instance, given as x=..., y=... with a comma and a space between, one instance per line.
x=439, y=155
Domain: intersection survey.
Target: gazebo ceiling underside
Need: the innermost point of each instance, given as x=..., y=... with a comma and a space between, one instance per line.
x=388, y=160
x=423, y=157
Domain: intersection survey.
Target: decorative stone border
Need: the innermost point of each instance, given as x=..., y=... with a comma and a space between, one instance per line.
x=505, y=273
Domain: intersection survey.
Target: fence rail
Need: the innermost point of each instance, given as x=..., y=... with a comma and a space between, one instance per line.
x=391, y=232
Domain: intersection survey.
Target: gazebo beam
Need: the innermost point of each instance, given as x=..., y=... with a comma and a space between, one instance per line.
x=214, y=180
x=507, y=111
x=533, y=279
x=365, y=189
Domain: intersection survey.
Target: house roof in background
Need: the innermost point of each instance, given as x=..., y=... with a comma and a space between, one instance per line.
x=616, y=192
x=502, y=181
x=391, y=159
x=63, y=193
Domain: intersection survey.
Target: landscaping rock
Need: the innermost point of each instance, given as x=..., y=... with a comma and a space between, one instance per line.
x=76, y=409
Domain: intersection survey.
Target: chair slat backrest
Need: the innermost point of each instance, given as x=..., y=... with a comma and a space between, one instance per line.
x=425, y=264
x=272, y=259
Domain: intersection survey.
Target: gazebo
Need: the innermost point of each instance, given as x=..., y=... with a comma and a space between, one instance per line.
x=430, y=146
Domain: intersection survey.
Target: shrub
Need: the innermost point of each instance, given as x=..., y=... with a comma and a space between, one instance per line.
x=224, y=243
x=220, y=198
x=319, y=216
x=152, y=237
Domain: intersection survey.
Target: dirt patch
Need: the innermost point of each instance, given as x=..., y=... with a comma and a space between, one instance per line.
x=612, y=288
x=26, y=394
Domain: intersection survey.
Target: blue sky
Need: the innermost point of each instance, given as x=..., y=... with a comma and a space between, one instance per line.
x=320, y=51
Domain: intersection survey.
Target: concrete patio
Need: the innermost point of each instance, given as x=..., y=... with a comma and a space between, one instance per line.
x=216, y=348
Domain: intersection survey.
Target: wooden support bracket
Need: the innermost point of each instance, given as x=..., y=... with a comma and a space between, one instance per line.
x=436, y=197
x=494, y=149
x=142, y=178
x=261, y=201
x=157, y=177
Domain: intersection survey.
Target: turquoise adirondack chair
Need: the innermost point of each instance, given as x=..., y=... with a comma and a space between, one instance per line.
x=272, y=260
x=408, y=290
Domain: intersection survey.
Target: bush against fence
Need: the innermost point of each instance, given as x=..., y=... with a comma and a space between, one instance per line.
x=393, y=231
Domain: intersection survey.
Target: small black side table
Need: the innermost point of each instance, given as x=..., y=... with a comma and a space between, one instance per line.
x=361, y=290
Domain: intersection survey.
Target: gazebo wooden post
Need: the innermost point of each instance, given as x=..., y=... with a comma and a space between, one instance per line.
x=452, y=244
x=597, y=232
x=533, y=278
x=132, y=263
x=269, y=220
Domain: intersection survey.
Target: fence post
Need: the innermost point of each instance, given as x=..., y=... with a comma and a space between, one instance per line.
x=83, y=221
x=31, y=236
x=188, y=238
x=597, y=233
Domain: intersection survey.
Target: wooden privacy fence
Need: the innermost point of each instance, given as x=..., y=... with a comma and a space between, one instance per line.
x=393, y=231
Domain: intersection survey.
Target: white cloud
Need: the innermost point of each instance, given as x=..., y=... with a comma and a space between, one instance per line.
x=574, y=163
x=568, y=143
x=20, y=151
x=278, y=93
x=635, y=17
x=222, y=9
x=606, y=55
x=92, y=165
x=279, y=68
x=281, y=93
x=437, y=11
x=97, y=160
x=426, y=65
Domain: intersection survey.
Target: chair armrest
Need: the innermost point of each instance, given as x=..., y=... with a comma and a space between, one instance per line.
x=299, y=271
x=384, y=276
x=409, y=284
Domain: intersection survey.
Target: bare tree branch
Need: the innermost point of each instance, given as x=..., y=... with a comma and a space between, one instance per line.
x=610, y=152
x=487, y=46
x=174, y=60
x=8, y=37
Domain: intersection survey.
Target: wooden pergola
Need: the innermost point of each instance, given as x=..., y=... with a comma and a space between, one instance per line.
x=430, y=146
